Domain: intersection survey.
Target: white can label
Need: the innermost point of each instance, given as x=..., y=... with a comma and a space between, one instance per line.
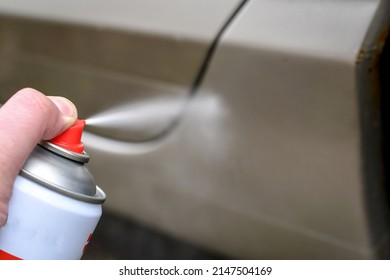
x=43, y=224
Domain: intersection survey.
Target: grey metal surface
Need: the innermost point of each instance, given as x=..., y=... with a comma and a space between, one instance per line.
x=109, y=53
x=184, y=19
x=277, y=154
x=273, y=167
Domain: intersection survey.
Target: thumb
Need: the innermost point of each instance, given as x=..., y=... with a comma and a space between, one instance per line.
x=69, y=116
x=25, y=119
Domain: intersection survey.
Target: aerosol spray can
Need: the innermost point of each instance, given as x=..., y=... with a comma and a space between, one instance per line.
x=55, y=204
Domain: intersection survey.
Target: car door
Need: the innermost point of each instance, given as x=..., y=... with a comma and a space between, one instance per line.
x=253, y=128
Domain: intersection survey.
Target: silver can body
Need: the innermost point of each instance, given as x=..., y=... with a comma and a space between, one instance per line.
x=54, y=209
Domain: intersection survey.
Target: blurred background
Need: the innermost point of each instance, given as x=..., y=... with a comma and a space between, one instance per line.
x=252, y=129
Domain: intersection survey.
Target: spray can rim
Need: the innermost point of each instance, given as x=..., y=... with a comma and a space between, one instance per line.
x=62, y=175
x=79, y=157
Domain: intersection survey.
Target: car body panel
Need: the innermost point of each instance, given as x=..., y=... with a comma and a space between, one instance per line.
x=275, y=154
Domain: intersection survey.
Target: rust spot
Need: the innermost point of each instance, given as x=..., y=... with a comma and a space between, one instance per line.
x=376, y=48
x=360, y=56
x=368, y=61
x=383, y=35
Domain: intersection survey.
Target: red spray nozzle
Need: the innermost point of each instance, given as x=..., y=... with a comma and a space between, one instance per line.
x=70, y=139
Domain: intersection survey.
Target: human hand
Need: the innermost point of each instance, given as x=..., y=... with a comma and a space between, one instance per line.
x=25, y=119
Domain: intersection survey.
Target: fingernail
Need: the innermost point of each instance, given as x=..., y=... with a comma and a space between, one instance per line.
x=67, y=108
